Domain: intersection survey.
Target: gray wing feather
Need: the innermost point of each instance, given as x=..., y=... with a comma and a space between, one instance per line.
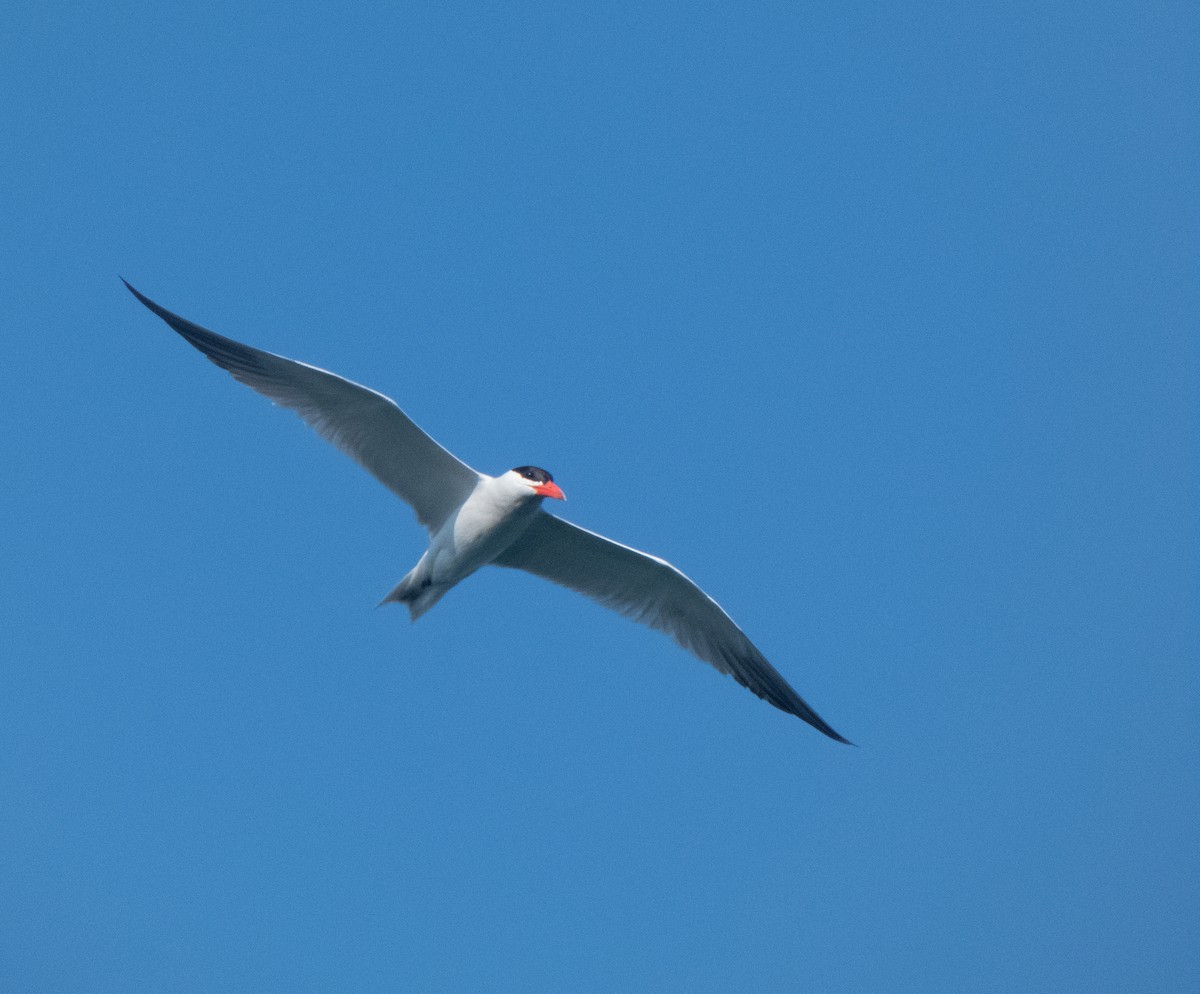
x=652, y=591
x=364, y=424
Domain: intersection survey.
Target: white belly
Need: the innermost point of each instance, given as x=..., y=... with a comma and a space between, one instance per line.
x=476, y=534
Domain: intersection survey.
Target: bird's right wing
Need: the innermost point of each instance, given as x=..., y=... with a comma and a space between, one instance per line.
x=366, y=425
x=652, y=591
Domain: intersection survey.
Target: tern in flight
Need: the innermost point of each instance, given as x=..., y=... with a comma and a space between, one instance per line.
x=474, y=519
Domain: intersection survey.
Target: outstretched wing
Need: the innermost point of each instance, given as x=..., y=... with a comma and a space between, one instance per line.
x=653, y=592
x=364, y=424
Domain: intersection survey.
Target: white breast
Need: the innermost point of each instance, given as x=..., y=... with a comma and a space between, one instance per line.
x=487, y=523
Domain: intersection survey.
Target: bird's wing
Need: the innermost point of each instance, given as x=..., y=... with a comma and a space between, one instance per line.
x=652, y=591
x=362, y=423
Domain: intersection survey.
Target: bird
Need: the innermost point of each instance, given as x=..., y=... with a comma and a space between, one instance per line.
x=475, y=520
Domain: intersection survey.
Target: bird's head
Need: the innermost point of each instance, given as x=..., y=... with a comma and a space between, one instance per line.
x=537, y=480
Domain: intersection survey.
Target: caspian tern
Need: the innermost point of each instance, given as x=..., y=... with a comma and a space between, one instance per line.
x=474, y=519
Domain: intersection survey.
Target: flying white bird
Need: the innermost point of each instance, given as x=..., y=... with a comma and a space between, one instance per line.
x=474, y=519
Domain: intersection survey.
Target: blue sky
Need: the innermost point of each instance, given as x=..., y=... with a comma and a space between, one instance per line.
x=879, y=322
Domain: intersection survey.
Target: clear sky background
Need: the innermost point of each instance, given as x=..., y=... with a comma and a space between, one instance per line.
x=879, y=321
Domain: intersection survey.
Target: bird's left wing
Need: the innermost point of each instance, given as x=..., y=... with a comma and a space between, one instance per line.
x=652, y=591
x=366, y=425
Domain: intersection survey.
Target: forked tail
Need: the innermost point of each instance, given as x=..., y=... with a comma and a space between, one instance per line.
x=419, y=593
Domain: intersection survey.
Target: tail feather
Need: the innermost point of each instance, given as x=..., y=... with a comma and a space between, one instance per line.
x=419, y=594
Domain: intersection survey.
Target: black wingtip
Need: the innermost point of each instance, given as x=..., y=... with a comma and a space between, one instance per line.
x=142, y=297
x=233, y=357
x=821, y=725
x=824, y=729
x=174, y=320
x=788, y=701
x=807, y=714
x=162, y=312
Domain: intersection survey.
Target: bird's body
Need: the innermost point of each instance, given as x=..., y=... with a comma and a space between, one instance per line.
x=496, y=514
x=475, y=520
